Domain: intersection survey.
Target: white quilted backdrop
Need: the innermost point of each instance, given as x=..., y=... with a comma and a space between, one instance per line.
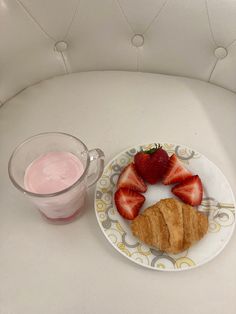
x=43, y=38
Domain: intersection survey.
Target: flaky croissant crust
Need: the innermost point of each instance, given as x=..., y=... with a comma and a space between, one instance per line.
x=170, y=225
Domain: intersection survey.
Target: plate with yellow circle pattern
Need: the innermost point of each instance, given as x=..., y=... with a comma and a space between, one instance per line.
x=218, y=204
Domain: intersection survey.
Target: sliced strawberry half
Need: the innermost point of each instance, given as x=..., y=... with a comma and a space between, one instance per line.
x=130, y=179
x=190, y=190
x=128, y=202
x=176, y=172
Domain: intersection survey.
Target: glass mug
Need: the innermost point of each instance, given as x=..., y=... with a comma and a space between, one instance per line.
x=62, y=206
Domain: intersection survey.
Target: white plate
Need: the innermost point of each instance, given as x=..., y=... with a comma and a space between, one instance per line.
x=218, y=203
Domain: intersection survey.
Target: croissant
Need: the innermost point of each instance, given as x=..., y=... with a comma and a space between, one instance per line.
x=170, y=225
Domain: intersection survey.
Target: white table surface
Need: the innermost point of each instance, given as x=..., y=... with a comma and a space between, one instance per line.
x=71, y=269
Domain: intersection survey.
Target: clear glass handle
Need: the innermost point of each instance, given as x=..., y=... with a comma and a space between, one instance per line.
x=96, y=166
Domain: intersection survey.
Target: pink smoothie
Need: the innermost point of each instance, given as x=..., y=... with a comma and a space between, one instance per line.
x=54, y=172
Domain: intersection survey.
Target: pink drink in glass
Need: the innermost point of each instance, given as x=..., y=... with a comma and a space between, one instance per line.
x=54, y=171
x=51, y=173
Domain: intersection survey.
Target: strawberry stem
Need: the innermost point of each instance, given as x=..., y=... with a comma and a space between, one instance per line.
x=152, y=150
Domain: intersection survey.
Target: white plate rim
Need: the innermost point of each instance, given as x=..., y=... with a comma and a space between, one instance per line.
x=207, y=260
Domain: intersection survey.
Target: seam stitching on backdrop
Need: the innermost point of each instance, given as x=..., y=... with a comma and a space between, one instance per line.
x=64, y=62
x=155, y=17
x=231, y=44
x=149, y=25
x=34, y=20
x=138, y=57
x=213, y=70
x=72, y=20
x=125, y=16
x=209, y=23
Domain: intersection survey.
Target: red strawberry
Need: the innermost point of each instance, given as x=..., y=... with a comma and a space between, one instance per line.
x=128, y=202
x=130, y=179
x=190, y=190
x=175, y=171
x=151, y=164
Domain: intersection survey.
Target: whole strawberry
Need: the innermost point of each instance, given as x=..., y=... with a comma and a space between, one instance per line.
x=152, y=164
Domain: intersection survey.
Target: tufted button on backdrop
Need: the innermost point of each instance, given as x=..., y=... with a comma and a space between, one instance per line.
x=61, y=46
x=221, y=53
x=137, y=40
